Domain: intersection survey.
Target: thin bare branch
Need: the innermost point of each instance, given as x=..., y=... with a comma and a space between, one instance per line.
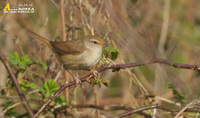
x=10, y=107
x=62, y=12
x=121, y=107
x=100, y=107
x=156, y=106
x=165, y=26
x=14, y=79
x=117, y=67
x=96, y=101
x=184, y=108
x=134, y=111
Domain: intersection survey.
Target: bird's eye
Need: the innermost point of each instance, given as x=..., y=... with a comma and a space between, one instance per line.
x=95, y=42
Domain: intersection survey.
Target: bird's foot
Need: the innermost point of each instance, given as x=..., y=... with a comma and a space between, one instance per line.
x=94, y=72
x=78, y=81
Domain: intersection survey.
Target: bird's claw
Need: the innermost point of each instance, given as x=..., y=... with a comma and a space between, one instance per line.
x=78, y=81
x=94, y=72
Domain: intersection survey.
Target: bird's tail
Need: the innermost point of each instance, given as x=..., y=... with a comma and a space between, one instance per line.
x=38, y=37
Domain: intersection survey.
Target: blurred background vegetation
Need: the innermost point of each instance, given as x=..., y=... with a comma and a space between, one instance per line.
x=140, y=29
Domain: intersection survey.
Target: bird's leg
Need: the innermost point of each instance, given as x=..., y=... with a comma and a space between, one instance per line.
x=94, y=71
x=78, y=81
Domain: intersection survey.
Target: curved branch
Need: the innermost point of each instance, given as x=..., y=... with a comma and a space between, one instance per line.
x=134, y=111
x=8, y=108
x=101, y=107
x=117, y=67
x=186, y=107
x=150, y=61
x=130, y=112
x=121, y=107
x=14, y=79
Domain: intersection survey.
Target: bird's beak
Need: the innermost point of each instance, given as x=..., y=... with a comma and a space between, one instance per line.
x=105, y=45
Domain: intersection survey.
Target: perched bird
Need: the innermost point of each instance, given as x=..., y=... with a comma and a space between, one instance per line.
x=78, y=54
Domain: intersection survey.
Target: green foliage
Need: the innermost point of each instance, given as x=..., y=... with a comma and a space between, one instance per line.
x=24, y=85
x=46, y=90
x=49, y=88
x=21, y=66
x=179, y=97
x=12, y=111
x=41, y=63
x=24, y=61
x=114, y=52
x=110, y=52
x=14, y=59
x=60, y=100
x=105, y=59
x=103, y=81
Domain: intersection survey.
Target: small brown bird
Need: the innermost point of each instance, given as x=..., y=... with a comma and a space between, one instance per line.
x=78, y=54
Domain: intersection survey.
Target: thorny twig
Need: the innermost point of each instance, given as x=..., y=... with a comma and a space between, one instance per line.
x=184, y=108
x=134, y=111
x=156, y=106
x=117, y=67
x=14, y=79
x=122, y=107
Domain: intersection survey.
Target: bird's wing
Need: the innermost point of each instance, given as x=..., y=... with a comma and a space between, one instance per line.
x=67, y=47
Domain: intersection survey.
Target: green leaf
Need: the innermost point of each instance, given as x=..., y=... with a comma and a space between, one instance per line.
x=107, y=49
x=111, y=49
x=33, y=86
x=49, y=87
x=20, y=62
x=46, y=85
x=97, y=81
x=105, y=81
x=42, y=64
x=105, y=84
x=14, y=59
x=26, y=60
x=114, y=52
x=114, y=55
x=60, y=100
x=24, y=85
x=104, y=59
x=10, y=112
x=179, y=97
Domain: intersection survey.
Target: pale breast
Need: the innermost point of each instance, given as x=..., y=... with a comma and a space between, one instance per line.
x=85, y=60
x=94, y=57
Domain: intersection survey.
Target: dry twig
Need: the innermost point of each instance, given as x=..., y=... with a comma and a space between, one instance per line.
x=62, y=19
x=135, y=111
x=184, y=108
x=10, y=107
x=156, y=106
x=14, y=79
x=117, y=67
